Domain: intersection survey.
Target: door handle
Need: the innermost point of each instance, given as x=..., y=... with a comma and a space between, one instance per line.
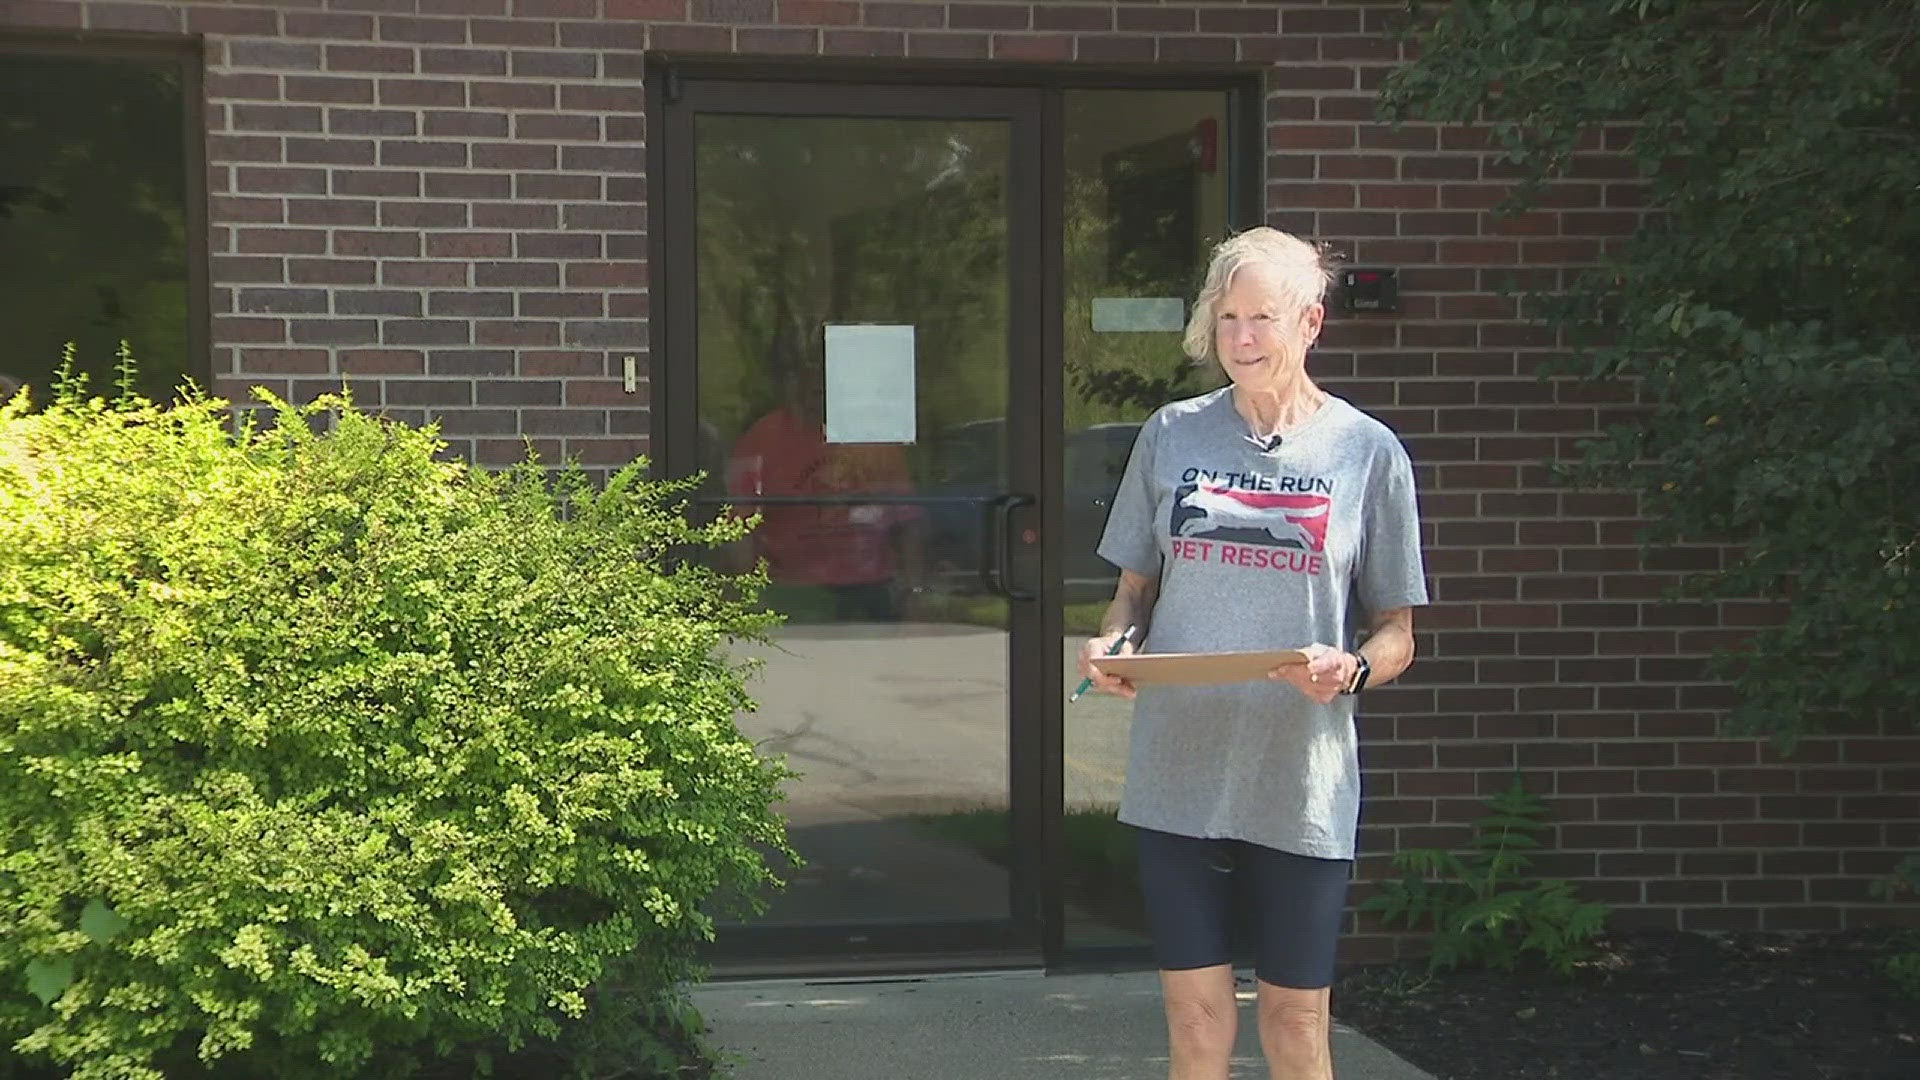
x=996, y=564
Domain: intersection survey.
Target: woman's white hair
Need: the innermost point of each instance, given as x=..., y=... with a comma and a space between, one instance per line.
x=1303, y=271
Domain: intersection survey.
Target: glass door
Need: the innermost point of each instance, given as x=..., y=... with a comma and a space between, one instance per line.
x=1147, y=192
x=851, y=358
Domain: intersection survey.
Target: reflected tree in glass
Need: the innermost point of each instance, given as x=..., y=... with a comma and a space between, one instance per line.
x=805, y=222
x=93, y=223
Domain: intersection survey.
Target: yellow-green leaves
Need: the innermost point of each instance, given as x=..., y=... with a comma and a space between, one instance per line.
x=319, y=748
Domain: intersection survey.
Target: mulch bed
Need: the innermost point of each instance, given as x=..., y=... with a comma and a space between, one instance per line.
x=1653, y=1007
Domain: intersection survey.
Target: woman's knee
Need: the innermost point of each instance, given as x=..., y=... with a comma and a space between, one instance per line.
x=1200, y=1018
x=1294, y=1025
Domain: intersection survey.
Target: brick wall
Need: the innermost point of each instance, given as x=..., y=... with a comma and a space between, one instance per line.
x=444, y=201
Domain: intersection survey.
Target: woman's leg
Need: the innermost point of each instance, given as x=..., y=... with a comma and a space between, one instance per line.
x=1202, y=1021
x=1301, y=903
x=1186, y=883
x=1296, y=1032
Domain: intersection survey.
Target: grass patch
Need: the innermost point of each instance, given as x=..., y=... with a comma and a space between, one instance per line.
x=1102, y=873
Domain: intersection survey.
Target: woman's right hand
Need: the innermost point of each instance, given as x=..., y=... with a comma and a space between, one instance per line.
x=1098, y=647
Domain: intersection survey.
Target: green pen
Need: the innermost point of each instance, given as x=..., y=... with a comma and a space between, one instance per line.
x=1088, y=682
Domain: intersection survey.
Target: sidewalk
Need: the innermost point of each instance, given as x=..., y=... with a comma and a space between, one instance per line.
x=1000, y=1026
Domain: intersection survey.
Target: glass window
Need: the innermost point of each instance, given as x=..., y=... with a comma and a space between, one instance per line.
x=94, y=223
x=1146, y=199
x=887, y=686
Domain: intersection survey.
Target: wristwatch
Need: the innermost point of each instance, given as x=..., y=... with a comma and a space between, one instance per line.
x=1361, y=670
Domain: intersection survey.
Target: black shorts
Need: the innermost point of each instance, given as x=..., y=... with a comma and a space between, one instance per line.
x=1293, y=906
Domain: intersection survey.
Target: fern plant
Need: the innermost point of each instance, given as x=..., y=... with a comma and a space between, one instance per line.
x=1480, y=903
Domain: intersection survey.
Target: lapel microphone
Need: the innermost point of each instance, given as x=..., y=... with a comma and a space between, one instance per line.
x=1268, y=445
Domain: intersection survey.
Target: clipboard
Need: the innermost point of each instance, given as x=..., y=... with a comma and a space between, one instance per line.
x=1197, y=669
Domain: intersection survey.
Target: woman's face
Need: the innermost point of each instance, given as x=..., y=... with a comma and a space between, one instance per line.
x=1261, y=340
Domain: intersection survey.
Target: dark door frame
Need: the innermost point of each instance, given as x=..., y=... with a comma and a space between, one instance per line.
x=1033, y=99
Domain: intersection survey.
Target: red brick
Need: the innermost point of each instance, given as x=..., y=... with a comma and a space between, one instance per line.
x=59, y=14
x=862, y=43
x=1311, y=137
x=1359, y=48
x=312, y=24
x=606, y=451
x=1155, y=19
x=1037, y=47
x=158, y=18
x=380, y=58
x=402, y=28
x=510, y=95
x=1279, y=50
x=534, y=362
x=647, y=10
x=501, y=452
x=381, y=362
x=1058, y=16
x=1326, y=77
x=1238, y=20
x=463, y=61
x=690, y=38
x=444, y=93
x=1351, y=107
x=731, y=12
x=523, y=32
x=479, y=245
x=516, y=332
x=622, y=42
x=567, y=64
x=836, y=12
x=1114, y=49
x=233, y=22
x=302, y=118
x=976, y=16
x=1197, y=50
x=1309, y=21
x=777, y=40
x=556, y=9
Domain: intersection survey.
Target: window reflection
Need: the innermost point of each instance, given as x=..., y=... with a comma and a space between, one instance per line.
x=1146, y=197
x=886, y=686
x=93, y=217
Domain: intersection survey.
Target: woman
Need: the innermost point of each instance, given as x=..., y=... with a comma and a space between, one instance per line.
x=1266, y=514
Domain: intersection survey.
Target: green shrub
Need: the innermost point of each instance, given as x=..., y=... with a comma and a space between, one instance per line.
x=1480, y=905
x=321, y=756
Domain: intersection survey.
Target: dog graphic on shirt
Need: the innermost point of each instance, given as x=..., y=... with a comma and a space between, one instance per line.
x=1275, y=519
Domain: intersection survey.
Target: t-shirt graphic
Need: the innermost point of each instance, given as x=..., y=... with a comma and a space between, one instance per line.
x=1207, y=511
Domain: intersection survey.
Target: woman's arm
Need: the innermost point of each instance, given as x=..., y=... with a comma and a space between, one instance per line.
x=1132, y=605
x=1389, y=649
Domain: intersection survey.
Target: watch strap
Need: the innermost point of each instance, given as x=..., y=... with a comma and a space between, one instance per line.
x=1361, y=670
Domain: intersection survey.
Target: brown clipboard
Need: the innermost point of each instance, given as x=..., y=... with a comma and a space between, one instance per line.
x=1197, y=669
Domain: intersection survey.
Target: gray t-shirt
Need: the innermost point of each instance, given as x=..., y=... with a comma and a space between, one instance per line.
x=1259, y=549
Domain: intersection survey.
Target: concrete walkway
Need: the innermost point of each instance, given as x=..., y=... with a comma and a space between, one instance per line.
x=1001, y=1026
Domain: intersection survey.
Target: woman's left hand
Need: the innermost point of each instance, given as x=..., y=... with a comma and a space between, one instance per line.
x=1325, y=673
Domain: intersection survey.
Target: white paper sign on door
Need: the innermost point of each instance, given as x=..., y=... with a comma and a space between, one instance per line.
x=870, y=396
x=1139, y=314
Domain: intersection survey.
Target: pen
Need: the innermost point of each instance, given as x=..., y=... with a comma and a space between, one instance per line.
x=1087, y=682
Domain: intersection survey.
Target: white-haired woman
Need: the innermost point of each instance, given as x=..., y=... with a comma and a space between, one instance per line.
x=1266, y=514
